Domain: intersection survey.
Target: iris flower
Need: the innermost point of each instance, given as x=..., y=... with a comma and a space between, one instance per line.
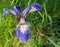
x=22, y=29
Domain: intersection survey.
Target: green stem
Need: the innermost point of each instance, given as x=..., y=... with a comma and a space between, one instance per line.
x=45, y=10
x=35, y=1
x=12, y=2
x=18, y=43
x=16, y=1
x=29, y=2
x=42, y=17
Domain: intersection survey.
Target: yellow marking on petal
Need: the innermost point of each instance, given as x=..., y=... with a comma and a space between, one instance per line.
x=22, y=26
x=32, y=9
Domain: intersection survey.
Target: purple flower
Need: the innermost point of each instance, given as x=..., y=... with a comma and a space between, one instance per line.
x=22, y=29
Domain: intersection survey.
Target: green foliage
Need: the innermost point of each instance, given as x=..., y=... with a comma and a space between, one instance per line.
x=44, y=25
x=54, y=41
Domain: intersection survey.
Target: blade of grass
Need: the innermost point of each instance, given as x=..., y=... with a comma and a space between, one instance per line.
x=52, y=40
x=12, y=2
x=29, y=2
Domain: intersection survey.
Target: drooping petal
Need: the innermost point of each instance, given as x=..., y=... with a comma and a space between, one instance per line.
x=21, y=36
x=35, y=7
x=26, y=10
x=7, y=10
x=4, y=12
x=22, y=32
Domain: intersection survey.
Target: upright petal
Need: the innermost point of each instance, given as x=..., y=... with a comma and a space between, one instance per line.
x=35, y=7
x=7, y=10
x=17, y=9
x=26, y=10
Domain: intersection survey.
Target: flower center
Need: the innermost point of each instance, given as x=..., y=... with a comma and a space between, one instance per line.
x=22, y=26
x=32, y=9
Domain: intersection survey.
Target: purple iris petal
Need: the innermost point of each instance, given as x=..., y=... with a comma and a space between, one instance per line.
x=36, y=7
x=17, y=9
x=32, y=8
x=7, y=10
x=22, y=30
x=23, y=37
x=26, y=10
x=22, y=21
x=22, y=34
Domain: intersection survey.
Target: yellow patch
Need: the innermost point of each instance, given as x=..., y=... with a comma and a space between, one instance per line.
x=32, y=9
x=22, y=26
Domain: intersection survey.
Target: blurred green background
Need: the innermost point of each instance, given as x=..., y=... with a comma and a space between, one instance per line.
x=44, y=25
